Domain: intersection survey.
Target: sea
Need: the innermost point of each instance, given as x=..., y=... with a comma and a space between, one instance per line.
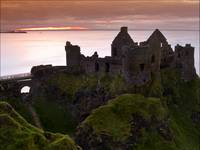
x=21, y=51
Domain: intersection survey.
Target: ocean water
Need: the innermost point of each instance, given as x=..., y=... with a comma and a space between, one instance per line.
x=19, y=52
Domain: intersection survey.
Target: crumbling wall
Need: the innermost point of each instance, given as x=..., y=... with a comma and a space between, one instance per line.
x=122, y=39
x=184, y=61
x=167, y=56
x=136, y=66
x=101, y=65
x=136, y=62
x=73, y=55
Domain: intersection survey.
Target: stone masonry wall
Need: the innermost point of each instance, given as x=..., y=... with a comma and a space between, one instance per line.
x=135, y=62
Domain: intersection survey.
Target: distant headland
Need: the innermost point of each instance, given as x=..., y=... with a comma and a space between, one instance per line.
x=14, y=31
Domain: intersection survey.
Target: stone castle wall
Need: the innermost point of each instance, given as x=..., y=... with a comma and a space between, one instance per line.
x=135, y=62
x=184, y=61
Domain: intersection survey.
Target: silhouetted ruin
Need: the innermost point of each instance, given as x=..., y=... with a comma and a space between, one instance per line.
x=136, y=62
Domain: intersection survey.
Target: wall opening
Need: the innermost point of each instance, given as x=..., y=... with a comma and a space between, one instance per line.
x=96, y=67
x=25, y=89
x=153, y=59
x=141, y=67
x=179, y=66
x=107, y=67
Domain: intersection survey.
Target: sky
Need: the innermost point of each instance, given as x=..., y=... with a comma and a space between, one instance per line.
x=96, y=14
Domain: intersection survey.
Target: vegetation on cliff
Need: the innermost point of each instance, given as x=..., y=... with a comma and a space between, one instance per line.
x=71, y=84
x=111, y=118
x=170, y=122
x=16, y=133
x=54, y=116
x=115, y=117
x=20, y=106
x=61, y=97
x=183, y=99
x=129, y=121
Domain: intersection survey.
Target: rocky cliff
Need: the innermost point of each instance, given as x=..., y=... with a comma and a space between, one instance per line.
x=103, y=112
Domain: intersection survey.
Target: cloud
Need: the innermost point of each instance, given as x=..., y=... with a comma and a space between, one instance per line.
x=99, y=14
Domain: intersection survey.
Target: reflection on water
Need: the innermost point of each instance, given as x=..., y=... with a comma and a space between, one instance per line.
x=19, y=52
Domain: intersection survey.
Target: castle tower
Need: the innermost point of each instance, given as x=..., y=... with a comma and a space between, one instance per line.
x=122, y=39
x=184, y=61
x=167, y=54
x=156, y=41
x=73, y=55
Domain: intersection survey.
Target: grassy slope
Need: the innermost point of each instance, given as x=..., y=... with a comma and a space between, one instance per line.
x=114, y=119
x=56, y=116
x=20, y=107
x=182, y=100
x=16, y=133
x=70, y=84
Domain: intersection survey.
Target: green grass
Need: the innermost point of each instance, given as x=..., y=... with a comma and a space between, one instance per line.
x=114, y=118
x=183, y=99
x=21, y=108
x=67, y=83
x=178, y=100
x=54, y=113
x=16, y=133
x=71, y=84
x=55, y=117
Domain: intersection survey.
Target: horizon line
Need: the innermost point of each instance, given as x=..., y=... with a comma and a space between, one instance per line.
x=139, y=29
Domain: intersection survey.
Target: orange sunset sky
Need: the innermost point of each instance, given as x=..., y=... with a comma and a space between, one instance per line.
x=108, y=14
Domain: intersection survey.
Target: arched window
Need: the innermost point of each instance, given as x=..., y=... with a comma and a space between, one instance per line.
x=107, y=67
x=25, y=89
x=141, y=67
x=96, y=66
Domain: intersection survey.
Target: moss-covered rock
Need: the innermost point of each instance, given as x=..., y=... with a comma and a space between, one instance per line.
x=71, y=83
x=62, y=100
x=20, y=106
x=130, y=121
x=16, y=133
x=127, y=121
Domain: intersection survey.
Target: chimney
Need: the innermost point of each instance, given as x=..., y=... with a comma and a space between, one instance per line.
x=124, y=29
x=68, y=43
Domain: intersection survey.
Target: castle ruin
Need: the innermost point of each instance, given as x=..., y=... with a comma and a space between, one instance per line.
x=135, y=62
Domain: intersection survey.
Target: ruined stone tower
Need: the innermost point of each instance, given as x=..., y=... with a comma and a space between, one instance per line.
x=122, y=39
x=136, y=63
x=73, y=55
x=165, y=52
x=184, y=61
